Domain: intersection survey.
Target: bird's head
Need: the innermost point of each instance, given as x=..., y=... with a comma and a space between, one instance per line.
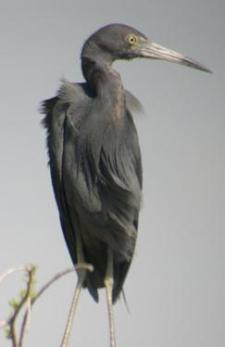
x=119, y=41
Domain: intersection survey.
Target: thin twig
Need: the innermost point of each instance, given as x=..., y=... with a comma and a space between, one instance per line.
x=25, y=323
x=50, y=282
x=27, y=299
x=4, y=323
x=12, y=322
x=37, y=296
x=12, y=270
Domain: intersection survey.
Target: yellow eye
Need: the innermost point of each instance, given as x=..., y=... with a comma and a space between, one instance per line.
x=132, y=39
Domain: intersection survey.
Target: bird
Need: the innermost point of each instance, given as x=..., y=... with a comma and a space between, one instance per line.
x=95, y=161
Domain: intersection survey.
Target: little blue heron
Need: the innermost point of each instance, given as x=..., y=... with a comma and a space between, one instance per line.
x=95, y=162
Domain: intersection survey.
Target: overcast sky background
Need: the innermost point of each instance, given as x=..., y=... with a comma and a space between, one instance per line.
x=176, y=285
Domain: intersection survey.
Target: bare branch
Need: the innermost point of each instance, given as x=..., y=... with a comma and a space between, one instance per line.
x=37, y=296
x=24, y=299
x=25, y=322
x=50, y=282
x=27, y=299
x=12, y=270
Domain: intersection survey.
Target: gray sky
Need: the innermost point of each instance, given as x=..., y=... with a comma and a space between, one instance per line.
x=176, y=285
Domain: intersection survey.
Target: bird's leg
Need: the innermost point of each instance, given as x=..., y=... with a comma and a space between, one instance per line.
x=109, y=289
x=81, y=267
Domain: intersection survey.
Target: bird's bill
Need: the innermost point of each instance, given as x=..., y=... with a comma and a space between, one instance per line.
x=155, y=51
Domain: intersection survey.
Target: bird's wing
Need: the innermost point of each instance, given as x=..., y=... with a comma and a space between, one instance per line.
x=55, y=110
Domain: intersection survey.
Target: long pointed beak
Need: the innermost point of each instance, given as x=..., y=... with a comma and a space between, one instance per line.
x=153, y=50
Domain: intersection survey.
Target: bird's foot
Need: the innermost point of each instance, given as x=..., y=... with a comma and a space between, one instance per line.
x=84, y=266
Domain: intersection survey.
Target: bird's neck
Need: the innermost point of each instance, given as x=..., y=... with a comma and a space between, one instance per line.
x=105, y=82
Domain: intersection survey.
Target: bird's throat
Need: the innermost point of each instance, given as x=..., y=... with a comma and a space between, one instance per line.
x=111, y=93
x=106, y=84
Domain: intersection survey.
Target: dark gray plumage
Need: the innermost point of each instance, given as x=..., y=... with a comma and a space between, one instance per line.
x=94, y=154
x=97, y=178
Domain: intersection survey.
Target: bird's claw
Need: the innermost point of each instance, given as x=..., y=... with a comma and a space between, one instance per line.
x=84, y=266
